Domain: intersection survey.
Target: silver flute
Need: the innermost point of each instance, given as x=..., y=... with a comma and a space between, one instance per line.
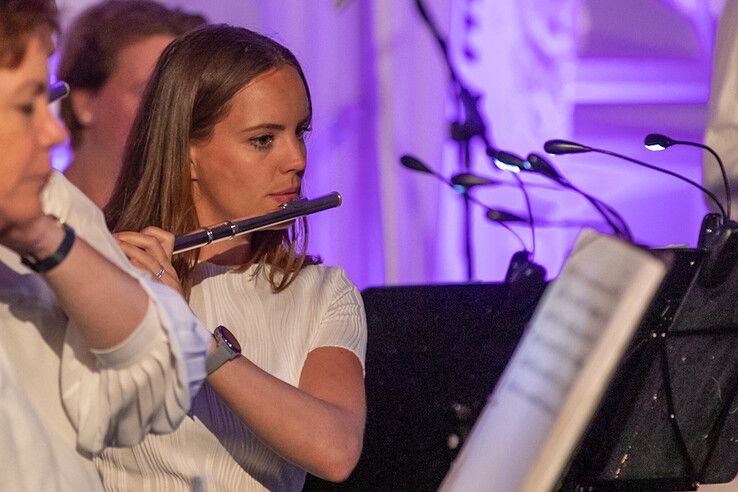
x=230, y=229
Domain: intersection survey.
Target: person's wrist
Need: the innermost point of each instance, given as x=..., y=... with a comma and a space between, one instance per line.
x=40, y=246
x=226, y=349
x=41, y=238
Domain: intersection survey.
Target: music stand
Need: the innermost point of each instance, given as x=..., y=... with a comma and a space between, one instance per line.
x=668, y=420
x=434, y=354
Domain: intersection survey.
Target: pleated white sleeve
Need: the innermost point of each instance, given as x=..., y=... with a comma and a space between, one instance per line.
x=116, y=396
x=343, y=323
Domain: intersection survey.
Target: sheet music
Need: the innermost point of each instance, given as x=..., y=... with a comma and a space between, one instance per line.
x=554, y=381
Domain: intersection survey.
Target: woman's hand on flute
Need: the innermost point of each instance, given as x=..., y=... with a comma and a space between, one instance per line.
x=151, y=250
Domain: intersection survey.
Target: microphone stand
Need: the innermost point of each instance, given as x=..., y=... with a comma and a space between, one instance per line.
x=461, y=132
x=471, y=126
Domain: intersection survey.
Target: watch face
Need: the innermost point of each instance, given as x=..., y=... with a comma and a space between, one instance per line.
x=230, y=339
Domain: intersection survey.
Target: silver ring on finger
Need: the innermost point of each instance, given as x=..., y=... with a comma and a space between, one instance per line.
x=160, y=273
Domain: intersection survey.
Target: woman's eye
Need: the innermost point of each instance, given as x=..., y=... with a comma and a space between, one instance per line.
x=262, y=141
x=26, y=109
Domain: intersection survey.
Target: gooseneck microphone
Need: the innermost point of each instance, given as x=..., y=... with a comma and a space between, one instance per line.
x=469, y=180
x=657, y=142
x=499, y=216
x=542, y=166
x=503, y=216
x=537, y=164
x=416, y=164
x=465, y=181
x=499, y=159
x=561, y=147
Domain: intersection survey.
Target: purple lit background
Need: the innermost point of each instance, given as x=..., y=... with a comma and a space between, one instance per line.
x=600, y=72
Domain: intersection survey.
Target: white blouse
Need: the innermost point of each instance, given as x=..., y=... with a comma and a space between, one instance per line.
x=87, y=400
x=31, y=458
x=213, y=450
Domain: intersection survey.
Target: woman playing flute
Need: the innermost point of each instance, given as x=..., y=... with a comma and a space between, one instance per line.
x=95, y=353
x=221, y=135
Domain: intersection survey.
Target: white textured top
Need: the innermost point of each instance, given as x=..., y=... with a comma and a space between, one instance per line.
x=87, y=400
x=213, y=448
x=30, y=458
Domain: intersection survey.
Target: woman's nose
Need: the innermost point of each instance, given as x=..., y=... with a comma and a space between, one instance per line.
x=51, y=131
x=296, y=158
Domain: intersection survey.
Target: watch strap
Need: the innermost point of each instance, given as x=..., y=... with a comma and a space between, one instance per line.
x=224, y=350
x=52, y=261
x=218, y=357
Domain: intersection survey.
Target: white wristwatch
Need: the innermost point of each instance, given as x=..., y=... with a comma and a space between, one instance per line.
x=227, y=348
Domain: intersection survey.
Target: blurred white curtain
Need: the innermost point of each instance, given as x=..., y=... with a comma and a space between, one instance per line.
x=519, y=55
x=380, y=89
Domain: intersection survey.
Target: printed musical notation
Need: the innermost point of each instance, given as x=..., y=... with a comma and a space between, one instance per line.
x=525, y=435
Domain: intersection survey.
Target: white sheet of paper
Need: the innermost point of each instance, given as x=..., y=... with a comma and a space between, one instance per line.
x=533, y=420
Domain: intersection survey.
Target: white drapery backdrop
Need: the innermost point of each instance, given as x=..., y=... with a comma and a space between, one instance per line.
x=380, y=89
x=519, y=56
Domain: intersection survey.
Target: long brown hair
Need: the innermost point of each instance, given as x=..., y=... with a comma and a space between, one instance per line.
x=189, y=92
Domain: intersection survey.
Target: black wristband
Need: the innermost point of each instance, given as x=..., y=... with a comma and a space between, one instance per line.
x=57, y=257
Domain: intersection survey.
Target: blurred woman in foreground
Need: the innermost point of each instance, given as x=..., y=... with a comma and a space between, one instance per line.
x=97, y=353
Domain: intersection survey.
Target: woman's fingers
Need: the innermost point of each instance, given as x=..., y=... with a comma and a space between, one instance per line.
x=140, y=257
x=158, y=242
x=159, y=246
x=161, y=272
x=149, y=243
x=149, y=253
x=166, y=239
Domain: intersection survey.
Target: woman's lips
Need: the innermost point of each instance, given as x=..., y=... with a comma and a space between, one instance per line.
x=284, y=196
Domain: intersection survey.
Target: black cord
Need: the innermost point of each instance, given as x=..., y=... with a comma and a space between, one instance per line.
x=728, y=198
x=530, y=217
x=670, y=173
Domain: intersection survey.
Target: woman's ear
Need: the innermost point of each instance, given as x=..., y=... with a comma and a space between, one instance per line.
x=81, y=101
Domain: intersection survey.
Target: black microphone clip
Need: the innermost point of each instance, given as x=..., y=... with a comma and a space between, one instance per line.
x=721, y=242
x=524, y=275
x=709, y=229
